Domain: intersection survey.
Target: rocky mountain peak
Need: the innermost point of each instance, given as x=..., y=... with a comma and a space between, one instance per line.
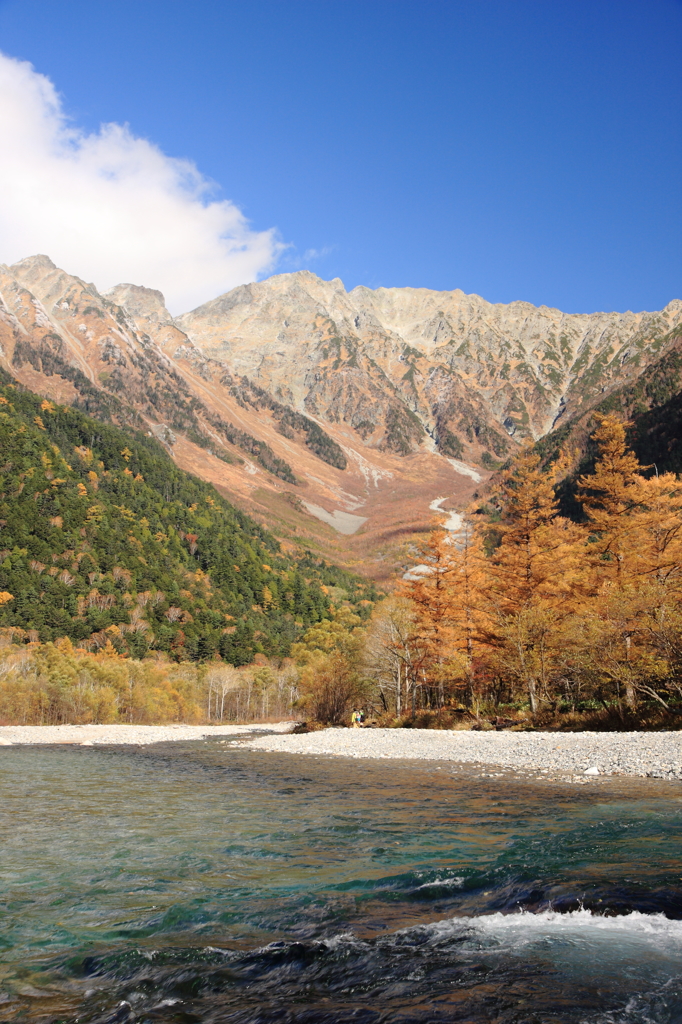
x=407, y=367
x=47, y=282
x=30, y=262
x=139, y=301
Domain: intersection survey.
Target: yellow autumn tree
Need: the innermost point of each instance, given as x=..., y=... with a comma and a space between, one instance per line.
x=391, y=652
x=329, y=658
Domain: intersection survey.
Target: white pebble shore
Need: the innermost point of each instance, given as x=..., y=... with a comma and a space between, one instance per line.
x=643, y=754
x=91, y=735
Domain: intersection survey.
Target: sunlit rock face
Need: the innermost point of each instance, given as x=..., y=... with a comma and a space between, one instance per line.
x=406, y=367
x=337, y=417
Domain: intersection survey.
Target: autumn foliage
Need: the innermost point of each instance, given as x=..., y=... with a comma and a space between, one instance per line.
x=525, y=607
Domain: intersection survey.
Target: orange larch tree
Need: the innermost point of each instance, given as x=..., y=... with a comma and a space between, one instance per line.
x=429, y=588
x=535, y=577
x=635, y=553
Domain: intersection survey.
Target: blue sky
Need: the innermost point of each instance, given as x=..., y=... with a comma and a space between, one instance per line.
x=521, y=150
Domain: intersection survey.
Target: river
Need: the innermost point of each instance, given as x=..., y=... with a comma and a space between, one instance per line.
x=201, y=882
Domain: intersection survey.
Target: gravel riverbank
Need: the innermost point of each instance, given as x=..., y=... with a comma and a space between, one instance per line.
x=644, y=754
x=91, y=735
x=584, y=754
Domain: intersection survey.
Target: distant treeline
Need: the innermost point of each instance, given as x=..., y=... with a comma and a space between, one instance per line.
x=54, y=684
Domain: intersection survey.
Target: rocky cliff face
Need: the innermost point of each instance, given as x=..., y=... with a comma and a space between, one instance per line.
x=406, y=367
x=338, y=417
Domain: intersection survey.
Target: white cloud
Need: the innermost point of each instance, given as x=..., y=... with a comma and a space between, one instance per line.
x=111, y=207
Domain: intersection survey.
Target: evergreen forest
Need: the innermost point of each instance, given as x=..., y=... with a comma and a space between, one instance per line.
x=106, y=543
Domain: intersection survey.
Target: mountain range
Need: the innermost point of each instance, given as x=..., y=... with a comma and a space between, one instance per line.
x=341, y=420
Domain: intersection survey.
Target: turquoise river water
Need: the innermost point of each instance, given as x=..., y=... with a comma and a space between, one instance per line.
x=202, y=882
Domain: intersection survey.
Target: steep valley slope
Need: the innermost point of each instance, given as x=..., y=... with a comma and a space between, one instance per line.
x=339, y=419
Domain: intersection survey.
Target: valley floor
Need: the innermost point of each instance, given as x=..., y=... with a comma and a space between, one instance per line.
x=580, y=755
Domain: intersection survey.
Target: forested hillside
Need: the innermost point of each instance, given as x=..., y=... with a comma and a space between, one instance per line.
x=105, y=541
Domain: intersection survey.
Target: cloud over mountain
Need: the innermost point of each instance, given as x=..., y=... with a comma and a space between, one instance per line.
x=113, y=207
